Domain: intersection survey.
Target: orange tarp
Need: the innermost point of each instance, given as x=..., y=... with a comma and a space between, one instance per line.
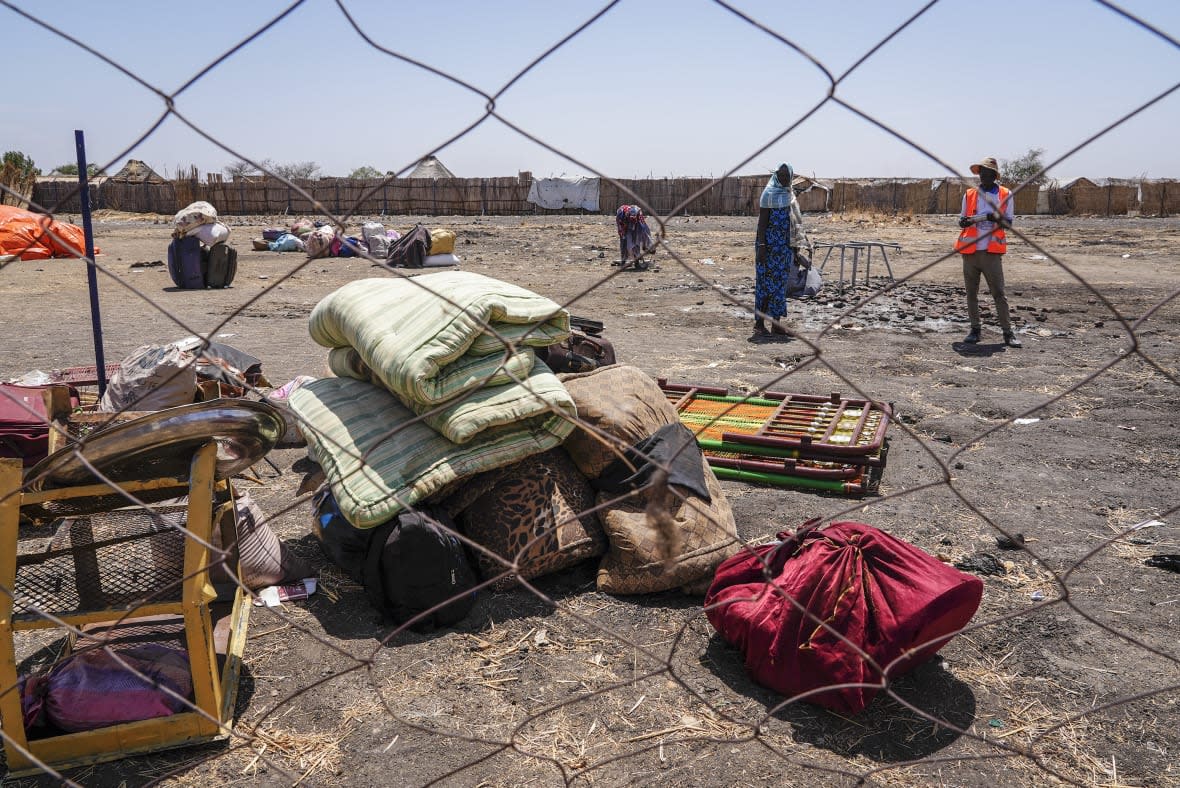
x=36, y=236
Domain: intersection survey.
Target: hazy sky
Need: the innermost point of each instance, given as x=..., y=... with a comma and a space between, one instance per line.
x=659, y=87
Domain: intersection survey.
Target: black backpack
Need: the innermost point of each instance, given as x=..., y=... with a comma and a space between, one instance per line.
x=222, y=266
x=345, y=545
x=413, y=564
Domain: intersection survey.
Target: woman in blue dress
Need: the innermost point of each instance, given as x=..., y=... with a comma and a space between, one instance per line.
x=776, y=246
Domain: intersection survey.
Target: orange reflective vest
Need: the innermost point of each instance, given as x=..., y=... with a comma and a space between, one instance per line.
x=997, y=243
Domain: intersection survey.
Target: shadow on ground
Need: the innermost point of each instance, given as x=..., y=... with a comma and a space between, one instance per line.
x=886, y=731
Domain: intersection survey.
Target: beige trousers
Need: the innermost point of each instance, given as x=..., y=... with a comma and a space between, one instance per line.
x=991, y=266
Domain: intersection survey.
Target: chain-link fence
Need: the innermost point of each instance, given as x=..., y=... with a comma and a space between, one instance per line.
x=1048, y=471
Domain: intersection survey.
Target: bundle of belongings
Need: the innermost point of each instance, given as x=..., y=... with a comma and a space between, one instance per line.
x=150, y=378
x=143, y=672
x=24, y=422
x=155, y=377
x=200, y=255
x=443, y=422
x=846, y=607
x=418, y=248
x=34, y=236
x=319, y=239
x=585, y=349
x=422, y=248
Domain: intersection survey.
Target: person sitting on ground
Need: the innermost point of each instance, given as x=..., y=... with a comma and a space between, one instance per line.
x=987, y=210
x=777, y=245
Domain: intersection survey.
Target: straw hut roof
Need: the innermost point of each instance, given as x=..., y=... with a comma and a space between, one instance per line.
x=1084, y=183
x=431, y=167
x=136, y=171
x=802, y=183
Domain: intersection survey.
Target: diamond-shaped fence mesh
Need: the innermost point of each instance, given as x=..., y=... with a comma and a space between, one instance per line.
x=1048, y=471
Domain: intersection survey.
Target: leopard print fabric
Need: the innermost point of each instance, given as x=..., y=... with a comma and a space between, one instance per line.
x=532, y=514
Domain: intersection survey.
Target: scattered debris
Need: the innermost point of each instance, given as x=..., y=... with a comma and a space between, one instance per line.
x=273, y=596
x=148, y=264
x=1015, y=542
x=981, y=564
x=1169, y=562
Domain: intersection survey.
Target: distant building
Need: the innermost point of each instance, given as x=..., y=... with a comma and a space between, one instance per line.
x=431, y=167
x=136, y=171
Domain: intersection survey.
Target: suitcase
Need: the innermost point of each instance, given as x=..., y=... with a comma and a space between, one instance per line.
x=185, y=263
x=24, y=421
x=223, y=265
x=578, y=353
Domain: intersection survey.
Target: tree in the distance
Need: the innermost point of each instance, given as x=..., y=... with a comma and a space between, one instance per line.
x=20, y=163
x=72, y=169
x=1024, y=167
x=366, y=172
x=239, y=169
x=301, y=170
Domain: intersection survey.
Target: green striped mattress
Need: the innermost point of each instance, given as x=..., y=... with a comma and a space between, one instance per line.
x=427, y=338
x=380, y=459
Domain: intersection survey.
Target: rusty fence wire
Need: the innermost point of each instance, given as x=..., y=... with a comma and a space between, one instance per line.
x=609, y=690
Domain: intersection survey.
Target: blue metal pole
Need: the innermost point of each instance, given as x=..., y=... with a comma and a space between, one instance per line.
x=91, y=272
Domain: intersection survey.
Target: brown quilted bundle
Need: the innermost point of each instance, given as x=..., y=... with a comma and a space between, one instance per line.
x=622, y=402
x=680, y=544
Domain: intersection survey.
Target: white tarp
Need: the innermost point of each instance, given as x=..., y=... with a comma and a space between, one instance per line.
x=556, y=193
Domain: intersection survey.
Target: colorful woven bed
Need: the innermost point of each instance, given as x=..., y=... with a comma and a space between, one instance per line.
x=790, y=440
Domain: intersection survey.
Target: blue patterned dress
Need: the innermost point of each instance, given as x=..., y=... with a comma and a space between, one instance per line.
x=770, y=282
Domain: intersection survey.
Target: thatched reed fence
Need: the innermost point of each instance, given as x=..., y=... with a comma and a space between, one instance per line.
x=737, y=195
x=1159, y=198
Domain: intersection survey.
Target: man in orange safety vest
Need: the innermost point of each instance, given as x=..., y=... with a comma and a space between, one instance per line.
x=987, y=210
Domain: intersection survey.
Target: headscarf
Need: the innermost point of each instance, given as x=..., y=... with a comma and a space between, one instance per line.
x=628, y=216
x=778, y=195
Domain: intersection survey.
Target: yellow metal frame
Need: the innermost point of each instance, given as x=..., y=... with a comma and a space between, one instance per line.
x=213, y=696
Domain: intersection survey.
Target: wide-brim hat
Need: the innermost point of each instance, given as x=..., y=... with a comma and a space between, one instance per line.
x=989, y=162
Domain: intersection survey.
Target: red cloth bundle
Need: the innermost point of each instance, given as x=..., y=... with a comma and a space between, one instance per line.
x=888, y=598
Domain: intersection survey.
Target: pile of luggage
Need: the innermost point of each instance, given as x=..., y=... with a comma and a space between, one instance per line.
x=417, y=248
x=200, y=255
x=455, y=458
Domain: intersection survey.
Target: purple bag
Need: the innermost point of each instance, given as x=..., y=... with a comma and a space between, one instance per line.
x=272, y=233
x=91, y=689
